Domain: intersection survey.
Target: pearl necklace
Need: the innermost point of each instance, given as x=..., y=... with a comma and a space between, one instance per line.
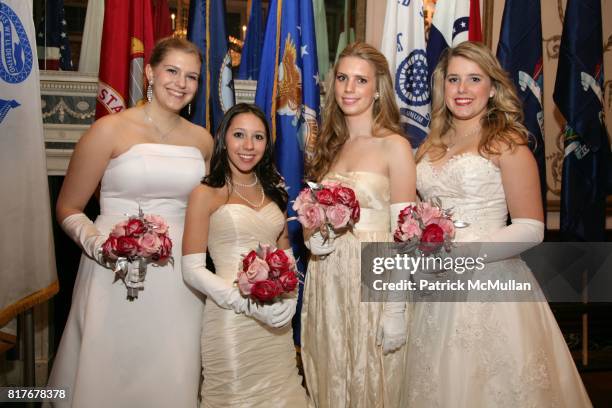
x=246, y=185
x=162, y=135
x=252, y=204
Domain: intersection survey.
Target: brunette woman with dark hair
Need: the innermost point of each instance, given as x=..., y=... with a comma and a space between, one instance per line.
x=248, y=357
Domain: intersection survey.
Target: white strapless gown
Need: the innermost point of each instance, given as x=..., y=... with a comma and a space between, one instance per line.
x=485, y=354
x=145, y=353
x=245, y=363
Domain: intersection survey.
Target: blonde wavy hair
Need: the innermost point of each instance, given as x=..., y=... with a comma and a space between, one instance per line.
x=502, y=122
x=334, y=132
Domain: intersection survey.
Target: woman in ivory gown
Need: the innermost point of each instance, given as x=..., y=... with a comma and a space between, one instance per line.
x=145, y=353
x=476, y=161
x=353, y=351
x=248, y=356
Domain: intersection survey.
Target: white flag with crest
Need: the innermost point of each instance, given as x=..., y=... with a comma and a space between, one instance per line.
x=27, y=271
x=403, y=45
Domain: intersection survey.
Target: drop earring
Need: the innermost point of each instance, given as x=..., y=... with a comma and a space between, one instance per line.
x=189, y=109
x=376, y=96
x=150, y=91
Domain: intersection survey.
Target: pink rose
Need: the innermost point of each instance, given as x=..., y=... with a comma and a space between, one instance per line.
x=288, y=281
x=127, y=246
x=305, y=197
x=109, y=248
x=165, y=249
x=407, y=230
x=345, y=196
x=243, y=284
x=119, y=229
x=266, y=290
x=248, y=260
x=135, y=227
x=149, y=244
x=311, y=216
x=264, y=250
x=157, y=223
x=325, y=197
x=426, y=211
x=338, y=216
x=257, y=271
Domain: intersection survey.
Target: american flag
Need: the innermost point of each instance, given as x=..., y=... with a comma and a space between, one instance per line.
x=52, y=39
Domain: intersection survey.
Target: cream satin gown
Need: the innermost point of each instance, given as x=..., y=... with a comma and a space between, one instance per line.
x=343, y=365
x=245, y=363
x=485, y=354
x=145, y=353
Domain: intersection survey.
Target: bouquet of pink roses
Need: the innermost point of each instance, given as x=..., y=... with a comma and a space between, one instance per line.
x=134, y=243
x=267, y=273
x=426, y=226
x=327, y=206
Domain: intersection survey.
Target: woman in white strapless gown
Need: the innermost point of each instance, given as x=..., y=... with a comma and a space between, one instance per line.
x=145, y=353
x=353, y=350
x=248, y=356
x=476, y=162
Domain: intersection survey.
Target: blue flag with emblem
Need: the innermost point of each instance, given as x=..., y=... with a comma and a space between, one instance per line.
x=250, y=59
x=520, y=53
x=288, y=92
x=579, y=96
x=403, y=45
x=215, y=95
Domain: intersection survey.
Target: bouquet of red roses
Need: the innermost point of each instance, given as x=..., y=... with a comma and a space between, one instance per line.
x=267, y=273
x=426, y=227
x=327, y=206
x=134, y=243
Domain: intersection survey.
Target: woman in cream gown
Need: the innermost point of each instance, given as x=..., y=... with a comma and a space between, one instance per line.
x=485, y=354
x=353, y=351
x=248, y=356
x=145, y=353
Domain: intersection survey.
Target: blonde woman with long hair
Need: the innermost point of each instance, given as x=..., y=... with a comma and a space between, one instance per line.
x=476, y=161
x=353, y=351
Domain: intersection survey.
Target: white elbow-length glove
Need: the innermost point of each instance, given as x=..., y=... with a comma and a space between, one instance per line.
x=320, y=246
x=393, y=328
x=521, y=235
x=83, y=231
x=227, y=296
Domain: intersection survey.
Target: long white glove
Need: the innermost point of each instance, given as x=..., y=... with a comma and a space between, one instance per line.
x=521, y=235
x=393, y=328
x=319, y=246
x=82, y=231
x=227, y=296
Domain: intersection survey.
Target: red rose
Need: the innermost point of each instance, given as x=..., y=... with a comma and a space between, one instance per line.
x=355, y=212
x=109, y=248
x=406, y=212
x=135, y=227
x=126, y=246
x=325, y=196
x=432, y=238
x=345, y=196
x=278, y=261
x=248, y=260
x=165, y=249
x=288, y=281
x=266, y=290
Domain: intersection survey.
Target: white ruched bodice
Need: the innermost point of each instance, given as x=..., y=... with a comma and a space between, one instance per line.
x=470, y=186
x=236, y=230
